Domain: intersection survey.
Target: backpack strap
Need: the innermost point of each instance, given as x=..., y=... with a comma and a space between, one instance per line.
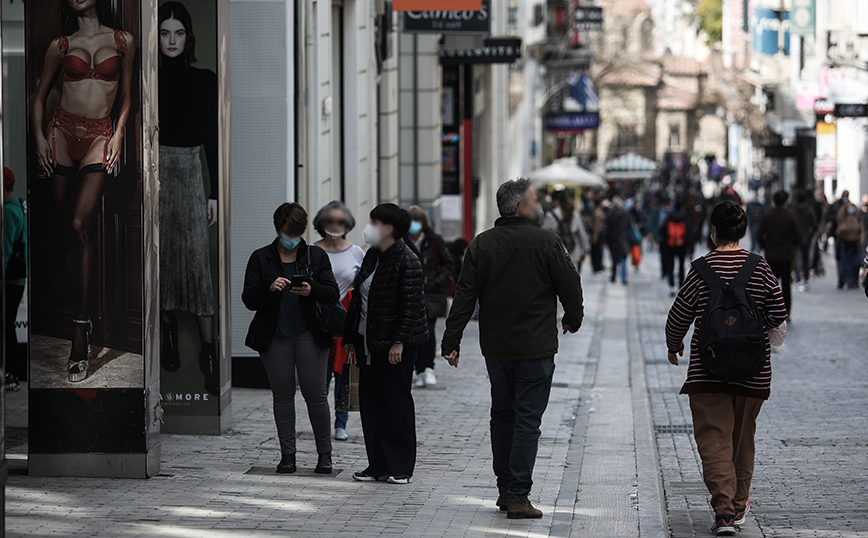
x=746, y=270
x=708, y=274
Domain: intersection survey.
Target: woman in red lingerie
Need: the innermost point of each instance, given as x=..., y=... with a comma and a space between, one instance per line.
x=78, y=146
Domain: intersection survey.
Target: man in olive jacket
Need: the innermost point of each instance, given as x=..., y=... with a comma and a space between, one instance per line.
x=516, y=271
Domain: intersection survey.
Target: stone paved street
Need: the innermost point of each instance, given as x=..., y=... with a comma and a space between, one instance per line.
x=616, y=456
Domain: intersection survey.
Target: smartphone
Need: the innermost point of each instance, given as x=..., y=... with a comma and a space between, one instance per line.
x=297, y=281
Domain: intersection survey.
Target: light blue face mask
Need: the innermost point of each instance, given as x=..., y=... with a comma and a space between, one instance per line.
x=289, y=243
x=415, y=227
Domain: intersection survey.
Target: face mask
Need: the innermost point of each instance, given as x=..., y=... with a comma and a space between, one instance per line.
x=288, y=242
x=415, y=227
x=851, y=210
x=845, y=199
x=371, y=235
x=334, y=235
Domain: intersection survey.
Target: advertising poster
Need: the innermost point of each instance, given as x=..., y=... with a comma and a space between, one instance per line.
x=86, y=252
x=188, y=210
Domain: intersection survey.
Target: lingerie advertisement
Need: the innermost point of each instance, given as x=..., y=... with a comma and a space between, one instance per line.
x=85, y=195
x=189, y=216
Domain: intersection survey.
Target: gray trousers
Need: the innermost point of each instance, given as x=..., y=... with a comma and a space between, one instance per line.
x=284, y=358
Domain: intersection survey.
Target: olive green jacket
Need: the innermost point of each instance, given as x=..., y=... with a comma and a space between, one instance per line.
x=517, y=271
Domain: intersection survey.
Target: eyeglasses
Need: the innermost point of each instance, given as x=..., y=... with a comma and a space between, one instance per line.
x=335, y=222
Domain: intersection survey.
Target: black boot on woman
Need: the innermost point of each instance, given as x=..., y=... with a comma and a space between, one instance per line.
x=287, y=464
x=324, y=465
x=170, y=359
x=208, y=366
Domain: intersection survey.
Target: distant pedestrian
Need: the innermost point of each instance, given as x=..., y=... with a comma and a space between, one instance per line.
x=386, y=323
x=675, y=234
x=778, y=234
x=725, y=411
x=618, y=238
x=567, y=224
x=807, y=220
x=15, y=253
x=516, y=271
x=849, y=240
x=598, y=234
x=333, y=222
x=437, y=271
x=755, y=211
x=286, y=333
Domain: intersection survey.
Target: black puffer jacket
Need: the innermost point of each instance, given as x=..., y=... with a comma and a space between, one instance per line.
x=263, y=268
x=437, y=268
x=396, y=302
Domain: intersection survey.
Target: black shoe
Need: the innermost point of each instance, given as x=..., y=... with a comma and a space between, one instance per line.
x=368, y=476
x=287, y=464
x=169, y=357
x=208, y=366
x=324, y=465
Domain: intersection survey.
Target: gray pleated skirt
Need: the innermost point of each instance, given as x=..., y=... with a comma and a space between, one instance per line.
x=185, y=268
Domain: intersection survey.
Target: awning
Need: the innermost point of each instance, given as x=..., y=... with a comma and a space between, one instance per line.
x=631, y=166
x=568, y=172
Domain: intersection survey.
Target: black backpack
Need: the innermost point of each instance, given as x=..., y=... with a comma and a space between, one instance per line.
x=731, y=336
x=565, y=232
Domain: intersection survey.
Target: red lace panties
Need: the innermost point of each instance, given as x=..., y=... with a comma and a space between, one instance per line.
x=77, y=146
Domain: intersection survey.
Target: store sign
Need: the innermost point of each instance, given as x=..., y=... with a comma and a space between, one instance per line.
x=588, y=18
x=492, y=51
x=571, y=123
x=858, y=110
x=822, y=108
x=449, y=5
x=802, y=20
x=449, y=22
x=769, y=26
x=825, y=169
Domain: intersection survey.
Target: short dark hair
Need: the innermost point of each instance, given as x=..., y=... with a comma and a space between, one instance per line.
x=780, y=198
x=177, y=11
x=291, y=214
x=321, y=215
x=801, y=196
x=730, y=221
x=396, y=216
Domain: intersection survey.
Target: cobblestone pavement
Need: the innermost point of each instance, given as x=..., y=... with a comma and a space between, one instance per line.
x=616, y=456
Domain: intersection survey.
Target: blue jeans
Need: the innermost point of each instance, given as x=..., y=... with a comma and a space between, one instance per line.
x=622, y=261
x=849, y=264
x=341, y=416
x=519, y=397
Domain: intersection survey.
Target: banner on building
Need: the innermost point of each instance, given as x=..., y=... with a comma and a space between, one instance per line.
x=440, y=5
x=802, y=19
x=476, y=21
x=576, y=108
x=771, y=31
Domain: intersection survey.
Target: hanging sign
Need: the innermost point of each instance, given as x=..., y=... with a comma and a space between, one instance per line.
x=802, y=19
x=476, y=21
x=493, y=51
x=422, y=5
x=588, y=18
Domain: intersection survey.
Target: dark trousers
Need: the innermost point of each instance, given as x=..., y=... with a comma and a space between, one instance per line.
x=284, y=358
x=784, y=270
x=597, y=257
x=388, y=414
x=428, y=350
x=669, y=255
x=14, y=364
x=519, y=397
x=803, y=259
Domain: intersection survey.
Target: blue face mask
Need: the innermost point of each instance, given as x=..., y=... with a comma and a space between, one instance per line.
x=289, y=243
x=415, y=227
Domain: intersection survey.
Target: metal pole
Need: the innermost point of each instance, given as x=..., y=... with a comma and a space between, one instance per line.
x=415, y=119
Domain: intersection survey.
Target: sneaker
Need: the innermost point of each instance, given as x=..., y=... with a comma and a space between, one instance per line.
x=400, y=479
x=741, y=515
x=672, y=291
x=420, y=381
x=365, y=476
x=428, y=375
x=723, y=526
x=341, y=434
x=802, y=287
x=522, y=510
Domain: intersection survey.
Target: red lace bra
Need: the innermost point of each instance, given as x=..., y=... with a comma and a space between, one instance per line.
x=75, y=68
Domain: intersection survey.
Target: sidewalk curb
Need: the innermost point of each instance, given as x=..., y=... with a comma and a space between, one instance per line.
x=653, y=520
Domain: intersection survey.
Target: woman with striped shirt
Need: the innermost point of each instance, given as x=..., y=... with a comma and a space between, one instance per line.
x=724, y=413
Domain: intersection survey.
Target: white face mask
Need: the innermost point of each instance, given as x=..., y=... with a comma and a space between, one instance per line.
x=334, y=235
x=371, y=235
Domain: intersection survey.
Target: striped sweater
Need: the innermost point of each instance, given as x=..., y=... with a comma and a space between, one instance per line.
x=690, y=304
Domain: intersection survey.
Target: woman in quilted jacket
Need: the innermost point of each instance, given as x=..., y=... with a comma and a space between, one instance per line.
x=385, y=324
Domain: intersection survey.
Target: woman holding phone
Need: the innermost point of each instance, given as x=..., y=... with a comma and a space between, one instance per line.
x=281, y=284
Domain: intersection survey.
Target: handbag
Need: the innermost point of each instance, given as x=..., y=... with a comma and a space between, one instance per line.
x=450, y=286
x=331, y=317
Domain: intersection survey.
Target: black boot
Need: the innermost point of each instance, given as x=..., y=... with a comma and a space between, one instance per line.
x=208, y=366
x=169, y=357
x=324, y=465
x=287, y=464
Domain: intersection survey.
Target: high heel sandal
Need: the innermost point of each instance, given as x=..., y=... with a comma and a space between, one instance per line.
x=77, y=369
